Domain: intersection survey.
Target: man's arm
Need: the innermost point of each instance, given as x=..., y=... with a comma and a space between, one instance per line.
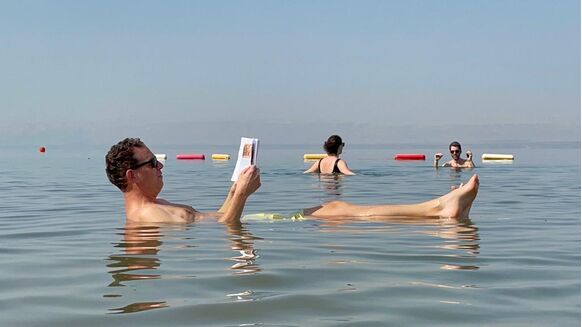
x=248, y=182
x=228, y=198
x=437, y=157
x=469, y=162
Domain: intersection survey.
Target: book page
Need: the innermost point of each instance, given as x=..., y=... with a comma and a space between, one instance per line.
x=247, y=155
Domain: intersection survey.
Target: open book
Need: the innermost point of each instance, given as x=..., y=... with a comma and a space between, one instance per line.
x=247, y=155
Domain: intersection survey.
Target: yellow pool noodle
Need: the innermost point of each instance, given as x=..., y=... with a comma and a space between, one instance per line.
x=272, y=216
x=221, y=156
x=314, y=156
x=161, y=156
x=496, y=156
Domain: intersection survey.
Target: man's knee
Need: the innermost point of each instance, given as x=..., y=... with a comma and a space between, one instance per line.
x=334, y=208
x=336, y=205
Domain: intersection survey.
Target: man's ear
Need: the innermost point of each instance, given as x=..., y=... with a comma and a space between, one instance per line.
x=129, y=175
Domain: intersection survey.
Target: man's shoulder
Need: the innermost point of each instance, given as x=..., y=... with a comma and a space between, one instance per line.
x=150, y=212
x=163, y=211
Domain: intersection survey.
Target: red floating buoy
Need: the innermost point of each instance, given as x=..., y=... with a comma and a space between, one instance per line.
x=190, y=156
x=42, y=149
x=410, y=156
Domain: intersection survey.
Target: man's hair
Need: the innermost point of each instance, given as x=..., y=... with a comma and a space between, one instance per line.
x=455, y=143
x=332, y=144
x=119, y=159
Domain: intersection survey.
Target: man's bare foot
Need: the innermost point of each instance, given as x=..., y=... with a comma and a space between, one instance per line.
x=458, y=202
x=454, y=187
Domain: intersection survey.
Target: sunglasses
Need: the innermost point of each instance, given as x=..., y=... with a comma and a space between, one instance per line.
x=455, y=151
x=153, y=162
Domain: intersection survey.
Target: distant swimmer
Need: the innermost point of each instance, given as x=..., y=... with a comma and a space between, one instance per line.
x=135, y=170
x=457, y=161
x=332, y=163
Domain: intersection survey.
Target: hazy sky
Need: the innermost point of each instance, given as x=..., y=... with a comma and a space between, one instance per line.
x=186, y=72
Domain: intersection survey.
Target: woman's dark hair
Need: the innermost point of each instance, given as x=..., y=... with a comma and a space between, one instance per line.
x=331, y=146
x=119, y=159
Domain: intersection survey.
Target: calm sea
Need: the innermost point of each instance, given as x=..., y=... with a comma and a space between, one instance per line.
x=68, y=260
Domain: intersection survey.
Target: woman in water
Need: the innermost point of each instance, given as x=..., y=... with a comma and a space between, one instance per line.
x=332, y=163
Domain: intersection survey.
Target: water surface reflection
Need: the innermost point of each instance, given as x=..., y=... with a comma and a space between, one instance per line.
x=139, y=259
x=140, y=246
x=331, y=185
x=242, y=242
x=458, y=235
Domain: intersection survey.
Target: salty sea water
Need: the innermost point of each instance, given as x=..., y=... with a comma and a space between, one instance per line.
x=68, y=260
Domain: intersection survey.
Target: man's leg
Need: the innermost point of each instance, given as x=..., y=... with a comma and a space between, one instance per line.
x=455, y=204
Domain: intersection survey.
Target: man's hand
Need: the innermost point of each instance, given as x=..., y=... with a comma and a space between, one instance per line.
x=438, y=156
x=469, y=155
x=248, y=182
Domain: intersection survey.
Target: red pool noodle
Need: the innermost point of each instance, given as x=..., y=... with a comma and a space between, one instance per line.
x=190, y=156
x=409, y=156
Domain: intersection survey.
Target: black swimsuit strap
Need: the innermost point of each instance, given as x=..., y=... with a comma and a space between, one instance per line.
x=335, y=167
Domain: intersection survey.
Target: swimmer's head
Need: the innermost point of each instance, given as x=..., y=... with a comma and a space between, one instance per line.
x=119, y=159
x=333, y=144
x=455, y=149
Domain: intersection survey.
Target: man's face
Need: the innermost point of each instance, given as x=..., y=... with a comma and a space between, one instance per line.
x=455, y=152
x=148, y=172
